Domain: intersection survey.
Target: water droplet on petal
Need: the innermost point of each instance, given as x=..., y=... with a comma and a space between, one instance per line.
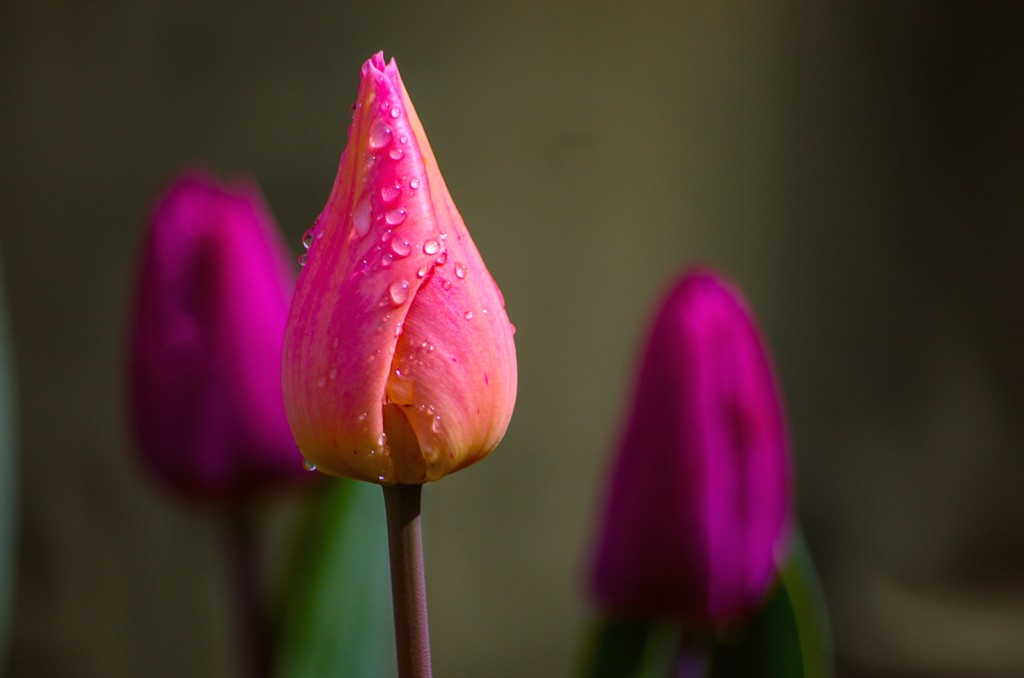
x=362, y=417
x=308, y=465
x=460, y=270
x=446, y=285
x=385, y=235
x=382, y=439
x=361, y=217
x=321, y=381
x=436, y=426
x=484, y=310
x=404, y=139
x=396, y=154
x=394, y=217
x=414, y=184
x=430, y=348
x=334, y=373
x=469, y=315
x=398, y=292
x=401, y=247
x=386, y=260
x=422, y=272
x=380, y=135
x=390, y=191
x=513, y=327
x=395, y=112
x=307, y=238
x=443, y=259
x=302, y=259
x=381, y=477
x=431, y=247
x=398, y=333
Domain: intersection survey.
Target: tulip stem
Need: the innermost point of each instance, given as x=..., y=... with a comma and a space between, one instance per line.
x=253, y=644
x=408, y=588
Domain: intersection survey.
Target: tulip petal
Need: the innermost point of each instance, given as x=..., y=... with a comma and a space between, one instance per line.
x=455, y=364
x=392, y=272
x=214, y=285
x=698, y=507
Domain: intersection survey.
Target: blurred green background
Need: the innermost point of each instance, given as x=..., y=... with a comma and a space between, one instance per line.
x=858, y=167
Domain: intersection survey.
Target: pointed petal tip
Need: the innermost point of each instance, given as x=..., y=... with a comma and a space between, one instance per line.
x=377, y=65
x=378, y=70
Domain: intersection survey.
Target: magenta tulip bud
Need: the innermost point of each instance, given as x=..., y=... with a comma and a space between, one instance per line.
x=699, y=501
x=214, y=286
x=399, y=363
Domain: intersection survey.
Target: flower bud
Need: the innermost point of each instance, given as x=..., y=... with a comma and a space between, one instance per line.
x=213, y=290
x=699, y=498
x=399, y=363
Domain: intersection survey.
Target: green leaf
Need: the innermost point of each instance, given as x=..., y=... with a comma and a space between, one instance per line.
x=337, y=620
x=615, y=648
x=789, y=637
x=662, y=651
x=803, y=588
x=640, y=647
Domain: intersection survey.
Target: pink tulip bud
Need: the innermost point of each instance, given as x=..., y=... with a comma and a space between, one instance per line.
x=399, y=364
x=213, y=291
x=699, y=500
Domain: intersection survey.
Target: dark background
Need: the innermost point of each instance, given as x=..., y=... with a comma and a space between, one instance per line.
x=858, y=167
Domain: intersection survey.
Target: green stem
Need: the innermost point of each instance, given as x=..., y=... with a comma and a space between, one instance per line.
x=408, y=588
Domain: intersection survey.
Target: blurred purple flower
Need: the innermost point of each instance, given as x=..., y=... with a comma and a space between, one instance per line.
x=214, y=286
x=699, y=497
